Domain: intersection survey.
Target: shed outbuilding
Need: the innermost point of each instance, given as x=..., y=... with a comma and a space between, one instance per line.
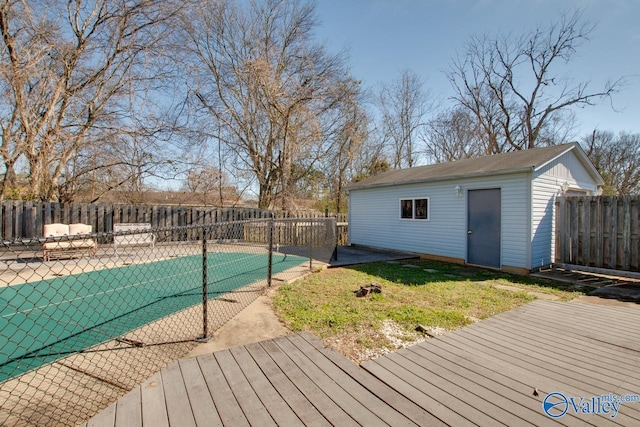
x=494, y=211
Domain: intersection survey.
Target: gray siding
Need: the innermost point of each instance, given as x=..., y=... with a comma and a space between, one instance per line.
x=544, y=191
x=515, y=221
x=546, y=185
x=568, y=168
x=375, y=218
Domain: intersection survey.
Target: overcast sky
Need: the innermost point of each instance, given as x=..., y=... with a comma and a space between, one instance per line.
x=383, y=37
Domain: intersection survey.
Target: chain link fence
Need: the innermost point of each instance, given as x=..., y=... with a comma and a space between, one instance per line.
x=85, y=317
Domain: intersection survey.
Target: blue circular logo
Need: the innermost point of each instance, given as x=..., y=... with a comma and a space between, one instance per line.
x=555, y=404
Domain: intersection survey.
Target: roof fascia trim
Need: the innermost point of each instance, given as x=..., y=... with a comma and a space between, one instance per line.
x=527, y=169
x=582, y=157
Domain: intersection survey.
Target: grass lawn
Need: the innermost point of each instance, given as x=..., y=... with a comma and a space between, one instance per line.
x=437, y=296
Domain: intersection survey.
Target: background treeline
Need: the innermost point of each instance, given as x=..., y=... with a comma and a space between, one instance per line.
x=237, y=100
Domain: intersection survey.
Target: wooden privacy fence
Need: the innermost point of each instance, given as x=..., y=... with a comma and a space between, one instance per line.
x=25, y=220
x=599, y=231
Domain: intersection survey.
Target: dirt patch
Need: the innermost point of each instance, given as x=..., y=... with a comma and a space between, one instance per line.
x=539, y=295
x=370, y=344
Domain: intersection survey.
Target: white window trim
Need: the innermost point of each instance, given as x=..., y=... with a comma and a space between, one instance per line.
x=413, y=208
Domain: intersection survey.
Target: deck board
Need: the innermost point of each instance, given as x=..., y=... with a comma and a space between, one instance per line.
x=204, y=410
x=246, y=397
x=129, y=411
x=581, y=365
x=438, y=409
x=451, y=396
x=314, y=394
x=563, y=374
x=586, y=321
x=307, y=413
x=616, y=332
x=482, y=396
x=387, y=394
x=226, y=404
x=176, y=397
x=364, y=397
x=498, y=355
x=518, y=382
x=335, y=391
x=522, y=361
x=526, y=351
x=153, y=406
x=484, y=374
x=590, y=362
x=277, y=407
x=108, y=417
x=617, y=358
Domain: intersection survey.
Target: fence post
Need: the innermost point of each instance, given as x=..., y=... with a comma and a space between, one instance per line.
x=204, y=283
x=334, y=256
x=270, y=261
x=311, y=245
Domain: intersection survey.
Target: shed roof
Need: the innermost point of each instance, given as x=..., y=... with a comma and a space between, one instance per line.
x=497, y=164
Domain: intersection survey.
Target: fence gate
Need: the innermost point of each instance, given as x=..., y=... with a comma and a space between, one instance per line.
x=598, y=231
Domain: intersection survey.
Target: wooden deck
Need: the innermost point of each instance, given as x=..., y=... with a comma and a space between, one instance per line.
x=484, y=374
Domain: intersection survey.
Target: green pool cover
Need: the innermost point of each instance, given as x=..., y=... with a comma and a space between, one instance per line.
x=43, y=321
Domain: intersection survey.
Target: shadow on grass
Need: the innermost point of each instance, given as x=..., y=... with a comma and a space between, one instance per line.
x=423, y=272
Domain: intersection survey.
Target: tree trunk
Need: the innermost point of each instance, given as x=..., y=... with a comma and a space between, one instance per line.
x=10, y=181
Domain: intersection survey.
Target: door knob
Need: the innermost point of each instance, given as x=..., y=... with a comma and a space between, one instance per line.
x=469, y=232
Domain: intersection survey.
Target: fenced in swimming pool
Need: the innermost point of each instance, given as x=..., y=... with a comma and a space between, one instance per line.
x=80, y=330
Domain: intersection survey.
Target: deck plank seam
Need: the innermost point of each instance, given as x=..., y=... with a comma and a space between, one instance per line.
x=535, y=364
x=288, y=391
x=519, y=401
x=383, y=391
x=575, y=343
x=355, y=389
x=359, y=412
x=316, y=396
x=531, y=348
x=466, y=394
x=408, y=391
x=270, y=398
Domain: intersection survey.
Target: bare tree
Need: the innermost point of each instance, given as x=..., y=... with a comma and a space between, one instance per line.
x=403, y=106
x=454, y=134
x=617, y=158
x=69, y=71
x=124, y=160
x=208, y=183
x=349, y=142
x=256, y=72
x=513, y=89
x=93, y=171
